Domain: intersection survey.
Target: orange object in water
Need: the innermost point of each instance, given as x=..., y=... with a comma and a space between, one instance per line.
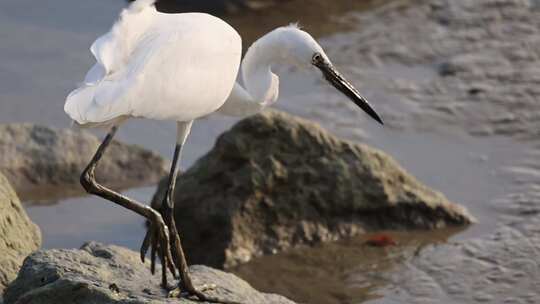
x=381, y=240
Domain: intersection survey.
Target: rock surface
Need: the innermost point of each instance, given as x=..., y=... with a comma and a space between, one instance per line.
x=18, y=235
x=35, y=158
x=275, y=181
x=103, y=274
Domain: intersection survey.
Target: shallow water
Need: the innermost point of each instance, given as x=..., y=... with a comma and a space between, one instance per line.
x=346, y=271
x=45, y=52
x=72, y=221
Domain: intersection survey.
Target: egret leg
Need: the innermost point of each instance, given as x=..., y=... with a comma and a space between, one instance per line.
x=158, y=227
x=167, y=212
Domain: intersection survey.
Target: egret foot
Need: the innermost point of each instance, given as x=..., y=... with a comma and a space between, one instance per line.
x=186, y=288
x=158, y=238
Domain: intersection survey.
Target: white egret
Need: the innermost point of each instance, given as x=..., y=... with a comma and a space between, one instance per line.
x=181, y=67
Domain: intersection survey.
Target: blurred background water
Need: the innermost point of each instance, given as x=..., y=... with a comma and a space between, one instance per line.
x=44, y=50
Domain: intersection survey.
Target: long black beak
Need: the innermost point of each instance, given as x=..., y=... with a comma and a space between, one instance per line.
x=340, y=83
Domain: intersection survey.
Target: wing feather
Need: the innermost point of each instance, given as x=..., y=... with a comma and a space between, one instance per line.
x=113, y=49
x=112, y=52
x=151, y=65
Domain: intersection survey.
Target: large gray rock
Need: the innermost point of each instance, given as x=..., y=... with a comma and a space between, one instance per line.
x=18, y=234
x=36, y=158
x=103, y=274
x=275, y=181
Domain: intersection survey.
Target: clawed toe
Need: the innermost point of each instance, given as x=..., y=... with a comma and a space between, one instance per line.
x=157, y=240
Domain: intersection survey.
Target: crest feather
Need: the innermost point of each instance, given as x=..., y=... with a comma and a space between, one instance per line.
x=295, y=25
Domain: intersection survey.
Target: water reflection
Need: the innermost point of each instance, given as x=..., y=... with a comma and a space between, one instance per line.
x=342, y=272
x=54, y=194
x=71, y=222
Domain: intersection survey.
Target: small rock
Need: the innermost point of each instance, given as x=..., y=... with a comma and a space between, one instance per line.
x=18, y=234
x=275, y=181
x=36, y=157
x=87, y=276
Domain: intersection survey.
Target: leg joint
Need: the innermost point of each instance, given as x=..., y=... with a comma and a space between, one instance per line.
x=88, y=182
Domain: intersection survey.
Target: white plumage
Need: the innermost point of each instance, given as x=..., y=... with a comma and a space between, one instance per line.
x=153, y=65
x=181, y=67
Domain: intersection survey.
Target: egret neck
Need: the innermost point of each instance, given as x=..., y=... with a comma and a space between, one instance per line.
x=260, y=87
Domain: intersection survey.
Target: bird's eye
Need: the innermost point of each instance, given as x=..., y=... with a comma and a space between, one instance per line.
x=317, y=58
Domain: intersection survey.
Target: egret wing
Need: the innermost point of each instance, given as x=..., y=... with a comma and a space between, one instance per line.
x=112, y=51
x=163, y=70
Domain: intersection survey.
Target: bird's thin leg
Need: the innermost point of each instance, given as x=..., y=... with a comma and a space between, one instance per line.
x=167, y=211
x=160, y=230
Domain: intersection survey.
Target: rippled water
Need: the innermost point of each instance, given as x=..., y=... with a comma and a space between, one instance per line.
x=44, y=52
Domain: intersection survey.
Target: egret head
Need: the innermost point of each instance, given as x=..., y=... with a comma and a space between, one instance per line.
x=296, y=47
x=301, y=50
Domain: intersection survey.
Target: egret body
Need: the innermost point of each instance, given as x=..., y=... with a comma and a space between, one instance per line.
x=181, y=67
